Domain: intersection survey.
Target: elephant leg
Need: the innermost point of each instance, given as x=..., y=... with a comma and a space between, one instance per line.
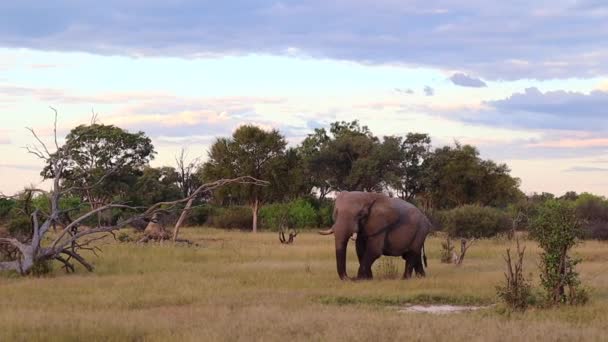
x=410, y=264
x=373, y=251
x=360, y=244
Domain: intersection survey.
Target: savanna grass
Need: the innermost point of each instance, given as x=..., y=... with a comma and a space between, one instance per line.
x=239, y=286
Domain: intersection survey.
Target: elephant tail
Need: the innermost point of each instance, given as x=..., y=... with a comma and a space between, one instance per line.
x=424, y=257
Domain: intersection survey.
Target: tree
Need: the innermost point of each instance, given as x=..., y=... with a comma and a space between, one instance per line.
x=352, y=158
x=557, y=229
x=455, y=176
x=156, y=185
x=315, y=172
x=103, y=155
x=408, y=178
x=67, y=245
x=250, y=151
x=186, y=178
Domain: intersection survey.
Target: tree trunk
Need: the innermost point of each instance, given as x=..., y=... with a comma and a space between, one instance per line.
x=181, y=219
x=255, y=208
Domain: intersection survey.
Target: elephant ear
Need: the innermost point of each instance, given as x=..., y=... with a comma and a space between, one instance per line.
x=381, y=215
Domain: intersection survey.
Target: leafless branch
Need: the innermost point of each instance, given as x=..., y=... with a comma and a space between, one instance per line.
x=55, y=128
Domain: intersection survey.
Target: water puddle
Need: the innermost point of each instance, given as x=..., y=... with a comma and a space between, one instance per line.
x=441, y=309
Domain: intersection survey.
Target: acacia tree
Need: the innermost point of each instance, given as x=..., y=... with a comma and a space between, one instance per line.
x=103, y=155
x=250, y=151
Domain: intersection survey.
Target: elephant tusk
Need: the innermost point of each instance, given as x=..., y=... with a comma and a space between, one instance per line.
x=327, y=232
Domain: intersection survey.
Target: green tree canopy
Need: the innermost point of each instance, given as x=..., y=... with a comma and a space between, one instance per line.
x=251, y=151
x=103, y=161
x=457, y=175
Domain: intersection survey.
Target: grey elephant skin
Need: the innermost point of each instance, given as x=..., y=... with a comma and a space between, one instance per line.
x=384, y=226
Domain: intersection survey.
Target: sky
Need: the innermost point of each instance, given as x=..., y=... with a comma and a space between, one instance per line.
x=524, y=81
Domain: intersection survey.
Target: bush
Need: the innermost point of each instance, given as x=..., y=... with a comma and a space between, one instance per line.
x=326, y=214
x=592, y=211
x=199, y=215
x=20, y=227
x=6, y=205
x=297, y=214
x=302, y=214
x=471, y=221
x=516, y=293
x=274, y=216
x=231, y=218
x=556, y=228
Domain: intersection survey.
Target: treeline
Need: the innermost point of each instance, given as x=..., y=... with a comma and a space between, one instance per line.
x=452, y=183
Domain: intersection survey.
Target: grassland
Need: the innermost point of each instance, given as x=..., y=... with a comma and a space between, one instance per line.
x=243, y=287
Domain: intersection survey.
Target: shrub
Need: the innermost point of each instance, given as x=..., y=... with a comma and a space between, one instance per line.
x=302, y=214
x=516, y=293
x=447, y=250
x=274, y=216
x=471, y=221
x=591, y=207
x=20, y=227
x=199, y=215
x=297, y=214
x=592, y=211
x=6, y=205
x=556, y=228
x=326, y=214
x=597, y=230
x=232, y=217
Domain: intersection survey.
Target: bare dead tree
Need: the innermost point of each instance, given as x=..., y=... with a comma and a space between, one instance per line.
x=74, y=238
x=464, y=247
x=185, y=170
x=516, y=291
x=287, y=240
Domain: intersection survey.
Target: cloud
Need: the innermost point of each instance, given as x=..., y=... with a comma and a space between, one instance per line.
x=4, y=139
x=536, y=110
x=586, y=169
x=573, y=143
x=25, y=167
x=493, y=39
x=405, y=91
x=428, y=91
x=467, y=81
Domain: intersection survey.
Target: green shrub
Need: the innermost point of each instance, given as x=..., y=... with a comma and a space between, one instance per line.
x=199, y=215
x=275, y=216
x=20, y=227
x=592, y=211
x=471, y=221
x=296, y=214
x=232, y=218
x=6, y=205
x=556, y=228
x=302, y=214
x=326, y=211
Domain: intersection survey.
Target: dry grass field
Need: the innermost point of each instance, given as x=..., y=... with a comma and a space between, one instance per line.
x=243, y=287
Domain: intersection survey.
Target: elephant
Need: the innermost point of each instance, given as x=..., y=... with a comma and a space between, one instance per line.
x=383, y=226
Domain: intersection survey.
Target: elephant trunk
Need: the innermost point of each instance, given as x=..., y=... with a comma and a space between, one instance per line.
x=341, y=245
x=342, y=238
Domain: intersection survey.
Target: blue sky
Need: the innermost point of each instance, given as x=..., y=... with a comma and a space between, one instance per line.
x=525, y=81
